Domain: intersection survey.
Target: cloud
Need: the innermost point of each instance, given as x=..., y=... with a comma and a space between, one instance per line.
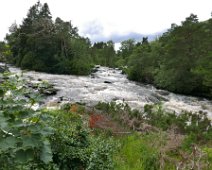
x=131, y=35
x=95, y=31
x=93, y=28
x=116, y=16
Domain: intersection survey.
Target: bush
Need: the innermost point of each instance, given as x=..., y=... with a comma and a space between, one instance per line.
x=70, y=142
x=24, y=142
x=32, y=138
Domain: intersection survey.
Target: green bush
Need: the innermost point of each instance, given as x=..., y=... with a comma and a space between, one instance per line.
x=197, y=124
x=70, y=142
x=32, y=138
x=101, y=157
x=24, y=142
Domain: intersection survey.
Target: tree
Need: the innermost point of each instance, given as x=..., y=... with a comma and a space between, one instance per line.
x=126, y=49
x=103, y=53
x=43, y=45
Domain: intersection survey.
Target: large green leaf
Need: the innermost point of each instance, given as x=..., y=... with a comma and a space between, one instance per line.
x=3, y=120
x=46, y=153
x=1, y=93
x=24, y=156
x=31, y=141
x=7, y=143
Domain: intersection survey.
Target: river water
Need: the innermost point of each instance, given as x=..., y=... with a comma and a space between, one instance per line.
x=108, y=84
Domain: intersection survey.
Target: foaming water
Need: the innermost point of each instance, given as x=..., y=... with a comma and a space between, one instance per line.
x=110, y=85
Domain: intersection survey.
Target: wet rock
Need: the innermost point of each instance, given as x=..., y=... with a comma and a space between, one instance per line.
x=81, y=103
x=48, y=91
x=159, y=97
x=30, y=85
x=43, y=88
x=92, y=75
x=100, y=88
x=162, y=92
x=3, y=69
x=62, y=98
x=30, y=78
x=152, y=99
x=115, y=99
x=52, y=105
x=108, y=82
x=94, y=70
x=97, y=66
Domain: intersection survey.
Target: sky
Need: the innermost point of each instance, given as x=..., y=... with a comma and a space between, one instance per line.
x=117, y=20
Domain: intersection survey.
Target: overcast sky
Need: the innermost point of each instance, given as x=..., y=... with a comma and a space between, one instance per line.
x=110, y=19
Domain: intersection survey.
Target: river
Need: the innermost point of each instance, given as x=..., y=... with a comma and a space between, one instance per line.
x=108, y=84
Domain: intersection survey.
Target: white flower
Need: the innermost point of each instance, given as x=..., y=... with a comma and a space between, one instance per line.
x=8, y=93
x=35, y=106
x=19, y=87
x=188, y=123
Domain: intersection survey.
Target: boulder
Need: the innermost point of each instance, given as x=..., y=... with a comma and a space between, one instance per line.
x=162, y=92
x=97, y=66
x=160, y=97
x=92, y=75
x=48, y=91
x=94, y=70
x=3, y=69
x=108, y=82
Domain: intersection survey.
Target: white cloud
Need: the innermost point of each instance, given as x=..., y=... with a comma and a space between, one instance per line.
x=115, y=16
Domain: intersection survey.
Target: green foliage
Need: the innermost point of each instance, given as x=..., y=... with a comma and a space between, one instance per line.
x=209, y=153
x=101, y=157
x=70, y=142
x=5, y=52
x=116, y=111
x=138, y=152
x=37, y=139
x=24, y=142
x=74, y=147
x=142, y=62
x=179, y=61
x=164, y=140
x=125, y=51
x=41, y=44
x=198, y=125
x=103, y=53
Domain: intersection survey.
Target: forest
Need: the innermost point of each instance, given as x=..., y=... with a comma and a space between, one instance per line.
x=70, y=138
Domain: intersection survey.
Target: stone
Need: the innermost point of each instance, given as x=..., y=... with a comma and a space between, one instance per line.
x=162, y=92
x=48, y=91
x=108, y=82
x=3, y=69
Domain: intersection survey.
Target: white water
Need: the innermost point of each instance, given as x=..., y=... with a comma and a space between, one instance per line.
x=92, y=89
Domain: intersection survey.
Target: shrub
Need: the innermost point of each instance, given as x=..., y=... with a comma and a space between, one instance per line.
x=24, y=142
x=33, y=138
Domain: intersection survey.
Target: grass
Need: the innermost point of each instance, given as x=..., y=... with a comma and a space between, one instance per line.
x=168, y=142
x=139, y=152
x=165, y=148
